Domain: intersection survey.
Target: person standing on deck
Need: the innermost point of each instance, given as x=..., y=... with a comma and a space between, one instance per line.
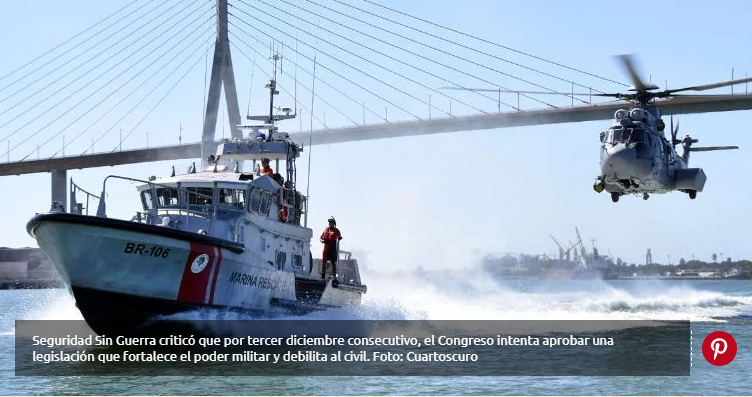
x=266, y=169
x=330, y=237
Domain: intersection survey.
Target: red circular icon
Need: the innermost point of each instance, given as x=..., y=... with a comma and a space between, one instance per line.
x=719, y=348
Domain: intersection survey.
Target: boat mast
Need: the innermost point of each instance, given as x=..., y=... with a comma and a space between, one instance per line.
x=272, y=86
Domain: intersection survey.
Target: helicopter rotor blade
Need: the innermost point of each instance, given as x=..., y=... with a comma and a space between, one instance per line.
x=629, y=64
x=711, y=148
x=674, y=131
x=530, y=92
x=710, y=86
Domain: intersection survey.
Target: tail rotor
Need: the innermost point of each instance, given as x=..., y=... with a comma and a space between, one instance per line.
x=674, y=133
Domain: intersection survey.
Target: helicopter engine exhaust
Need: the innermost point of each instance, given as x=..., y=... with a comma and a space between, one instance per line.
x=690, y=179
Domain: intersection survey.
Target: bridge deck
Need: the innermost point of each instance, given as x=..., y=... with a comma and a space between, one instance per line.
x=679, y=105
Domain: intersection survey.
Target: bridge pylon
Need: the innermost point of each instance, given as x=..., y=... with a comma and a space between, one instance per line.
x=222, y=74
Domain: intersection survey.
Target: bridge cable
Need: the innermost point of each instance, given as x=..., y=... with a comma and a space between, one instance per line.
x=101, y=101
x=334, y=58
x=288, y=75
x=334, y=88
x=334, y=72
x=93, y=80
x=82, y=75
x=89, y=71
x=270, y=77
x=170, y=62
x=476, y=38
x=162, y=98
x=302, y=84
x=77, y=57
x=454, y=56
x=409, y=52
x=117, y=90
x=376, y=51
x=342, y=62
x=209, y=41
x=70, y=39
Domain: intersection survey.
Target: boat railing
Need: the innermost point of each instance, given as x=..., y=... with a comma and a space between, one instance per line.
x=75, y=206
x=142, y=216
x=295, y=205
x=248, y=221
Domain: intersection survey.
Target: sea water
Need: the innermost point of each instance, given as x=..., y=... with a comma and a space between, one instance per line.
x=710, y=305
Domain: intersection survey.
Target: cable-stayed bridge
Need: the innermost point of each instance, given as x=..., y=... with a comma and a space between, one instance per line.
x=369, y=71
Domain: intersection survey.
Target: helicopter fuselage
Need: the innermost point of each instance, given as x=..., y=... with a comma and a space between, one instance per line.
x=637, y=158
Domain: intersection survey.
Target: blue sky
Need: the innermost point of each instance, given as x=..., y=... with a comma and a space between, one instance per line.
x=440, y=201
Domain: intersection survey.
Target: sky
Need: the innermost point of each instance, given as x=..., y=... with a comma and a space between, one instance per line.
x=438, y=201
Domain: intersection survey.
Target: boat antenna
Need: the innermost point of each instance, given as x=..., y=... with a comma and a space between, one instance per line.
x=310, y=140
x=250, y=90
x=295, y=99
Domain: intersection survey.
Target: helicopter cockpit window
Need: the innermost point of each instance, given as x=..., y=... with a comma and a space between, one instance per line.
x=604, y=135
x=617, y=135
x=627, y=135
x=638, y=135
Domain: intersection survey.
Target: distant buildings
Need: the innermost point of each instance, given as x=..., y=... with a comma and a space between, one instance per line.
x=26, y=268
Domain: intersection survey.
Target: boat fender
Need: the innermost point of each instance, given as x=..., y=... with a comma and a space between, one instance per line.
x=282, y=213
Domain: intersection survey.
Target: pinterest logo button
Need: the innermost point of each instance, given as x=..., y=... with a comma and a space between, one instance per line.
x=719, y=348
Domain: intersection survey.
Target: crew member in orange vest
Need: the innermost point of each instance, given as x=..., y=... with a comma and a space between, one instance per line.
x=330, y=237
x=265, y=169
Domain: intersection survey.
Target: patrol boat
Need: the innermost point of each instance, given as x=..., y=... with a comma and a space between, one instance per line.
x=218, y=238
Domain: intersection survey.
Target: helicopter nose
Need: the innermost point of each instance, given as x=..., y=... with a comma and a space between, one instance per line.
x=622, y=162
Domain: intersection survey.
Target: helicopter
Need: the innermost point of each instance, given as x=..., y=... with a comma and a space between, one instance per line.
x=636, y=157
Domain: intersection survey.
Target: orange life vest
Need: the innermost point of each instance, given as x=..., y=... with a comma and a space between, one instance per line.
x=267, y=171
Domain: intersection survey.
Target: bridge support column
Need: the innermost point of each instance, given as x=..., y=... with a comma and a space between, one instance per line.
x=221, y=75
x=59, y=187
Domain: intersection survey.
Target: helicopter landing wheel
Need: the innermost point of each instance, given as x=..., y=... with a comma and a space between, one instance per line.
x=615, y=197
x=692, y=194
x=645, y=196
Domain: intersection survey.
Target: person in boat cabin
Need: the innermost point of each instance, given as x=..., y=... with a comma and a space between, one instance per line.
x=330, y=237
x=266, y=169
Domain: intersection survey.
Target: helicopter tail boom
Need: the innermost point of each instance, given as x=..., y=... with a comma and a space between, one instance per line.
x=712, y=148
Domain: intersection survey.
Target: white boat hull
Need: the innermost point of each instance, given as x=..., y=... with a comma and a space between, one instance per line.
x=125, y=272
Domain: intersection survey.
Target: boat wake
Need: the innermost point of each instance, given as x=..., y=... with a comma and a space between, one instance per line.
x=450, y=295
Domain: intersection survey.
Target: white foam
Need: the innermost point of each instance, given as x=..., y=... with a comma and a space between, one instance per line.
x=451, y=295
x=58, y=305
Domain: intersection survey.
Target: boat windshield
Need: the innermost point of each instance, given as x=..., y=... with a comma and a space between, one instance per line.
x=172, y=197
x=199, y=195
x=232, y=199
x=146, y=200
x=167, y=196
x=255, y=200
